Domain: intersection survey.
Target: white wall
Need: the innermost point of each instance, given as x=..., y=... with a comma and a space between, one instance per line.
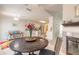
x=57, y=19
x=7, y=25
x=50, y=28
x=0, y=30
x=68, y=14
x=68, y=11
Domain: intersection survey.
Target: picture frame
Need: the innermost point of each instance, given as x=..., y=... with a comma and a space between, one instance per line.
x=77, y=11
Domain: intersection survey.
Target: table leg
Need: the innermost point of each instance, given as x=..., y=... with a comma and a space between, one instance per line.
x=30, y=53
x=33, y=53
x=18, y=53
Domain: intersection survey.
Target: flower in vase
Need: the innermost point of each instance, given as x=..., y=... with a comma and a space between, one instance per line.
x=30, y=27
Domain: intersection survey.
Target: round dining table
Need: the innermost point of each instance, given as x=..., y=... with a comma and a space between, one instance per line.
x=23, y=46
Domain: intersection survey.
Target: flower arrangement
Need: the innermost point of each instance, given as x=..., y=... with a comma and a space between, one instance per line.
x=30, y=27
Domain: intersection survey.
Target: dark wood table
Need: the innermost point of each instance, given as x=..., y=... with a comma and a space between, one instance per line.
x=23, y=46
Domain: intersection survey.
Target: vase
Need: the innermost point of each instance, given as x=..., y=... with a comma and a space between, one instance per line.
x=30, y=39
x=30, y=33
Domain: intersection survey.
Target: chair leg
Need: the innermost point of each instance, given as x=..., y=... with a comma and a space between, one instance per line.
x=46, y=52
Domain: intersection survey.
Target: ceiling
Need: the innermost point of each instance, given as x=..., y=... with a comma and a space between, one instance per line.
x=29, y=11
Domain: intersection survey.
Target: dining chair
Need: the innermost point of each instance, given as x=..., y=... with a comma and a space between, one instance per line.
x=16, y=34
x=56, y=49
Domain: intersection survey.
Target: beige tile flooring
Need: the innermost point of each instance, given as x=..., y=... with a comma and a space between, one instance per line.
x=8, y=51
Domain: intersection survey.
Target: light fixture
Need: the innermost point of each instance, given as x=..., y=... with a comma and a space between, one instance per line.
x=17, y=19
x=10, y=14
x=43, y=21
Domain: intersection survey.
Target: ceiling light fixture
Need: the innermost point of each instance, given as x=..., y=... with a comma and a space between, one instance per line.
x=11, y=14
x=43, y=21
x=17, y=19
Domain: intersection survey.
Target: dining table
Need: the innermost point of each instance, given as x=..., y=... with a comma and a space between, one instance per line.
x=26, y=45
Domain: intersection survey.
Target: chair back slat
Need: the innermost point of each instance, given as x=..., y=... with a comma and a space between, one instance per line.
x=58, y=45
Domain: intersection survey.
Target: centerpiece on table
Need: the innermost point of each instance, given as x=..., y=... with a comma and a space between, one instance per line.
x=30, y=27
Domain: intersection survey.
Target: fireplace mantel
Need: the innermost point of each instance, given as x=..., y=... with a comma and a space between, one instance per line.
x=71, y=24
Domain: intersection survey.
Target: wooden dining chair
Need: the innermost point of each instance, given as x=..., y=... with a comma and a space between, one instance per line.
x=56, y=49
